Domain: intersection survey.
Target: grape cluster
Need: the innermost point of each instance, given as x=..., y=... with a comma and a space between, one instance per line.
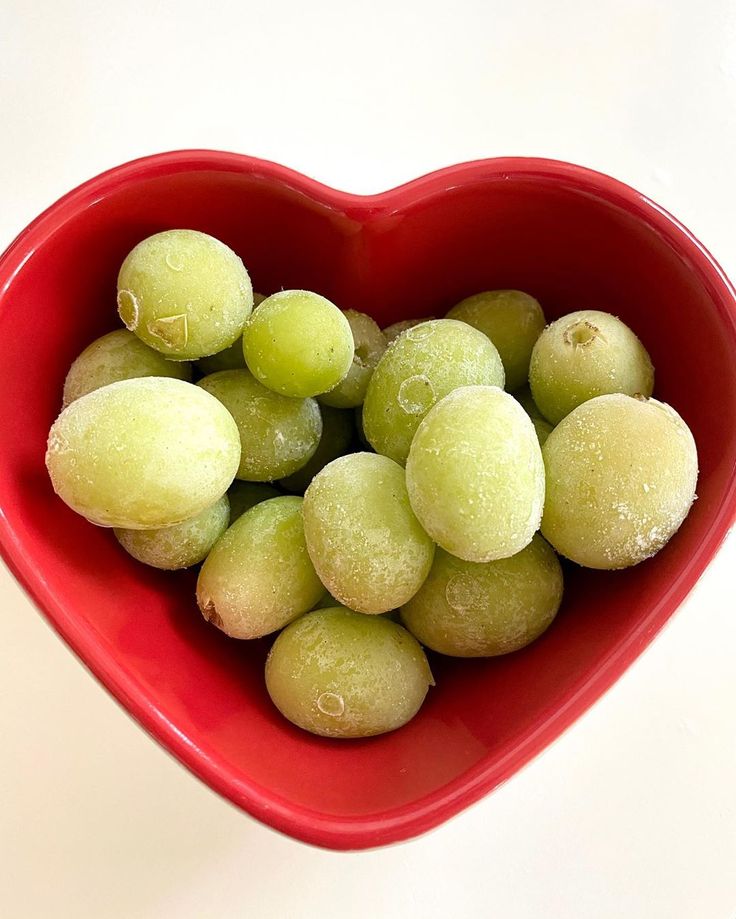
x=328, y=473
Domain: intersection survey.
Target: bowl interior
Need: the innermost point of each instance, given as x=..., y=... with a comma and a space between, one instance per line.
x=565, y=236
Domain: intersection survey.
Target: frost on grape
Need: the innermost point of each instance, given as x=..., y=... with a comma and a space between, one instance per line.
x=463, y=592
x=362, y=535
x=468, y=609
x=475, y=474
x=621, y=476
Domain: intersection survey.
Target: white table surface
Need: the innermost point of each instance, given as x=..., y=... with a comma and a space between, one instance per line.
x=632, y=813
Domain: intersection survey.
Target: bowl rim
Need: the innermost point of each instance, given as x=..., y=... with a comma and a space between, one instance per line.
x=429, y=811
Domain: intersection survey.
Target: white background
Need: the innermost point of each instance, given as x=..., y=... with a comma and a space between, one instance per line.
x=632, y=813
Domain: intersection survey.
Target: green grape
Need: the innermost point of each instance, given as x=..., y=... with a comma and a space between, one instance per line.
x=337, y=673
x=475, y=474
x=298, y=344
x=278, y=435
x=393, y=331
x=119, y=355
x=337, y=435
x=362, y=535
x=543, y=429
x=184, y=293
x=583, y=355
x=512, y=320
x=143, y=453
x=181, y=545
x=621, y=476
x=245, y=495
x=258, y=576
x=370, y=343
x=466, y=609
x=231, y=358
x=421, y=367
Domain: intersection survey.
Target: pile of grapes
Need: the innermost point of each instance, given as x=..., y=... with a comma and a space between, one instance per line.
x=433, y=519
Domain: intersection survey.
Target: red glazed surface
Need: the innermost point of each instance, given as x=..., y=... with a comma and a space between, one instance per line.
x=575, y=239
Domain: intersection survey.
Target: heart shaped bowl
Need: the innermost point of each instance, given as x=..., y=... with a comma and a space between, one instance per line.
x=575, y=239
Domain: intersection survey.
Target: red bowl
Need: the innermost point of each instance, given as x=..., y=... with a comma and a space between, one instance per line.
x=575, y=239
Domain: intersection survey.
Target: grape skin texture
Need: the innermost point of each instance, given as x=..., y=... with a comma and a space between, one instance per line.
x=184, y=293
x=512, y=320
x=583, y=355
x=245, y=495
x=370, y=343
x=475, y=474
x=181, y=545
x=422, y=366
x=366, y=544
x=338, y=673
x=298, y=344
x=278, y=435
x=337, y=435
x=142, y=453
x=258, y=577
x=621, y=477
x=393, y=331
x=119, y=355
x=465, y=609
x=231, y=358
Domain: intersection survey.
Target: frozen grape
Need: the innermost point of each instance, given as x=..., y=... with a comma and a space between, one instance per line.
x=370, y=343
x=512, y=320
x=341, y=674
x=119, y=355
x=278, y=435
x=232, y=358
x=337, y=434
x=245, y=495
x=621, y=476
x=181, y=545
x=366, y=544
x=298, y=344
x=184, y=293
x=421, y=367
x=143, y=453
x=583, y=355
x=466, y=609
x=475, y=474
x=259, y=576
x=393, y=331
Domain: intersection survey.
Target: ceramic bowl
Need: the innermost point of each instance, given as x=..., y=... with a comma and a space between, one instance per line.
x=575, y=239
